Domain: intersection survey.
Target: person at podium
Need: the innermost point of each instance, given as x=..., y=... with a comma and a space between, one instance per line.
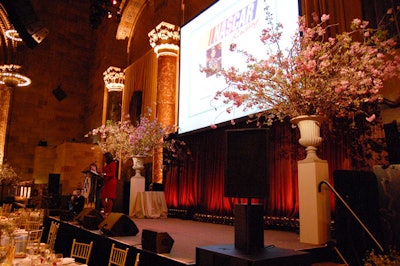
x=92, y=186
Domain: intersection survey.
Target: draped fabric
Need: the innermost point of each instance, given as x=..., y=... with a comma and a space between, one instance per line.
x=141, y=76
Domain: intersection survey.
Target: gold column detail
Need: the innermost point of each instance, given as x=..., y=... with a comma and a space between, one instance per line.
x=114, y=80
x=165, y=41
x=5, y=97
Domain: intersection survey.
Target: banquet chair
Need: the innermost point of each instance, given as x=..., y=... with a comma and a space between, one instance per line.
x=32, y=225
x=117, y=256
x=81, y=250
x=33, y=241
x=52, y=235
x=137, y=259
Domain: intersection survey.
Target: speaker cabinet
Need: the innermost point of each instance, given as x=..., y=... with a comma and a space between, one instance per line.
x=246, y=163
x=118, y=224
x=360, y=191
x=53, y=185
x=24, y=19
x=89, y=218
x=392, y=137
x=158, y=242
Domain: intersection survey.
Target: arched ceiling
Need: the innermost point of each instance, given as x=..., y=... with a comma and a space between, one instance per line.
x=131, y=10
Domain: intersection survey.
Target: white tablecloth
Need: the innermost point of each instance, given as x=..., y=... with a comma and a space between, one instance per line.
x=150, y=204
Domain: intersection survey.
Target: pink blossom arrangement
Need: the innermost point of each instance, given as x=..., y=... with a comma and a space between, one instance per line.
x=317, y=75
x=125, y=141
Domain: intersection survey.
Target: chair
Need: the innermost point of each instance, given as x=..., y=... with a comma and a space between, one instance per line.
x=52, y=235
x=117, y=256
x=33, y=241
x=81, y=250
x=32, y=225
x=137, y=259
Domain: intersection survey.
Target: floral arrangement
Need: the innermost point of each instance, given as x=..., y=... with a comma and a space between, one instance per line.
x=374, y=258
x=7, y=226
x=7, y=174
x=124, y=140
x=318, y=75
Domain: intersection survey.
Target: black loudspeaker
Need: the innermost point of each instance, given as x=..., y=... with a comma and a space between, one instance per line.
x=158, y=242
x=90, y=218
x=59, y=93
x=118, y=224
x=360, y=191
x=246, y=163
x=24, y=19
x=392, y=138
x=53, y=185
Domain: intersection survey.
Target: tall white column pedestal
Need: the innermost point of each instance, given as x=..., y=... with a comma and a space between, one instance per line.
x=314, y=206
x=138, y=184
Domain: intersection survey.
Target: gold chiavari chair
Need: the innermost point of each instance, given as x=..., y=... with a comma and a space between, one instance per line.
x=81, y=250
x=117, y=256
x=32, y=225
x=52, y=235
x=33, y=242
x=137, y=259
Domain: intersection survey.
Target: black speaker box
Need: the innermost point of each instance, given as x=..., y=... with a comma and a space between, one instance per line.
x=118, y=224
x=24, y=19
x=246, y=163
x=360, y=191
x=158, y=242
x=53, y=185
x=59, y=93
x=392, y=138
x=90, y=218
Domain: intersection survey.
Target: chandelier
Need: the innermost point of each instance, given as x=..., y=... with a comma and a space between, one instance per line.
x=10, y=77
x=13, y=35
x=114, y=78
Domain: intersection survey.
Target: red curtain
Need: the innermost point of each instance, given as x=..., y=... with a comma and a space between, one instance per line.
x=196, y=183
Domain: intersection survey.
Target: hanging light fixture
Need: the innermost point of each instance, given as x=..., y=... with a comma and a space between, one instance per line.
x=13, y=35
x=114, y=79
x=10, y=77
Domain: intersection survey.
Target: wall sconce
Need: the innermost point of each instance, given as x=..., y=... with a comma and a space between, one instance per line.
x=114, y=78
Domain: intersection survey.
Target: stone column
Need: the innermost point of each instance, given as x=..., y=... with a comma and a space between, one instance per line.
x=114, y=79
x=5, y=98
x=165, y=41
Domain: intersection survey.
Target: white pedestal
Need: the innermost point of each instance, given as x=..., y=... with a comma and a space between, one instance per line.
x=138, y=184
x=314, y=206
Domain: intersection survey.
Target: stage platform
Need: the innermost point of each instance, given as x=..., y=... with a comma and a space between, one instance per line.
x=188, y=236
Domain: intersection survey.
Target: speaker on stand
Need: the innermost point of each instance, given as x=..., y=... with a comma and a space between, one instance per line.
x=246, y=176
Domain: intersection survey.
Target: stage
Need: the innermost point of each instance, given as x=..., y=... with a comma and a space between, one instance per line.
x=186, y=234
